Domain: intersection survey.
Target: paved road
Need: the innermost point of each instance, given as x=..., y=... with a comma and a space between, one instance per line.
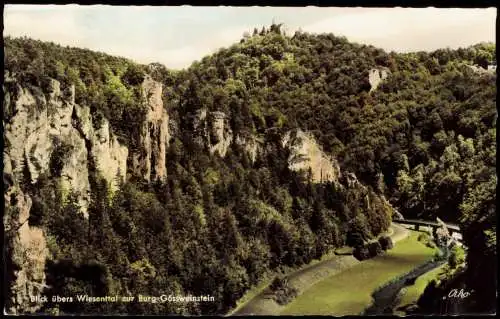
x=399, y=233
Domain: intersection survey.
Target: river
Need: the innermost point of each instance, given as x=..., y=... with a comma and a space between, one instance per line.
x=386, y=298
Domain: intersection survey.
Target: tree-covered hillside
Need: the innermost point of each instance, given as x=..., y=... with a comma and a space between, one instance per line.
x=425, y=139
x=108, y=84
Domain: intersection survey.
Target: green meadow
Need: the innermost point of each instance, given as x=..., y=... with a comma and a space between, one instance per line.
x=411, y=293
x=349, y=292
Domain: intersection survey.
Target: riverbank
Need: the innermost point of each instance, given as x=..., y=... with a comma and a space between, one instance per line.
x=408, y=296
x=264, y=304
x=350, y=292
x=387, y=298
x=305, y=278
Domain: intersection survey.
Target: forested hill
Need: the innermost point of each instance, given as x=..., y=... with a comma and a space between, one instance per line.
x=260, y=157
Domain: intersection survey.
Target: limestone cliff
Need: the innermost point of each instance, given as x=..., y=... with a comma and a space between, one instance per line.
x=491, y=69
x=213, y=129
x=376, y=76
x=41, y=123
x=47, y=133
x=306, y=154
x=252, y=145
x=26, y=251
x=220, y=135
x=149, y=161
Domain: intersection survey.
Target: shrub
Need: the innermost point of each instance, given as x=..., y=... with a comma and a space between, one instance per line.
x=61, y=153
x=423, y=237
x=386, y=242
x=456, y=257
x=279, y=282
x=354, y=239
x=284, y=296
x=439, y=255
x=361, y=253
x=375, y=249
x=134, y=75
x=430, y=244
x=283, y=292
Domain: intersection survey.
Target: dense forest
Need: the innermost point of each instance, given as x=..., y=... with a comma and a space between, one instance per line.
x=425, y=139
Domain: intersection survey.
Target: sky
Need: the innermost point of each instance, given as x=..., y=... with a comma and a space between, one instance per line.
x=178, y=36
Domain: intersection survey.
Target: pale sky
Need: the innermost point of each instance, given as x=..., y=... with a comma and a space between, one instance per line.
x=177, y=36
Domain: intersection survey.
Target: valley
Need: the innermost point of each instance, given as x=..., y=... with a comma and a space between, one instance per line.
x=343, y=285
x=270, y=162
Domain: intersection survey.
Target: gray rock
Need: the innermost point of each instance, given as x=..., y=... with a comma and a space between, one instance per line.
x=221, y=135
x=306, y=154
x=376, y=76
x=29, y=252
x=43, y=119
x=155, y=135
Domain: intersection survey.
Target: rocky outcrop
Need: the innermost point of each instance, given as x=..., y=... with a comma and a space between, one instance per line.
x=220, y=134
x=307, y=155
x=43, y=119
x=491, y=69
x=213, y=129
x=47, y=133
x=46, y=122
x=27, y=248
x=41, y=123
x=24, y=246
x=251, y=145
x=109, y=156
x=376, y=76
x=150, y=160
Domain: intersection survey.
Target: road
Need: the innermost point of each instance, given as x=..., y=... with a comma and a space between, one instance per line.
x=303, y=279
x=399, y=233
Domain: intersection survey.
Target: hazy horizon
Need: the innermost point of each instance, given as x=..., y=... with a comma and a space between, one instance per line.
x=178, y=36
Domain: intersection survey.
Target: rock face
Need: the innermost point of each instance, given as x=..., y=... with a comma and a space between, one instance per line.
x=220, y=134
x=492, y=69
x=46, y=120
x=42, y=123
x=251, y=145
x=306, y=154
x=47, y=133
x=27, y=249
x=149, y=162
x=213, y=129
x=109, y=156
x=376, y=76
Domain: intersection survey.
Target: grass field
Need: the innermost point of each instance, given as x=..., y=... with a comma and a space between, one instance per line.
x=413, y=292
x=252, y=293
x=349, y=292
x=261, y=287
